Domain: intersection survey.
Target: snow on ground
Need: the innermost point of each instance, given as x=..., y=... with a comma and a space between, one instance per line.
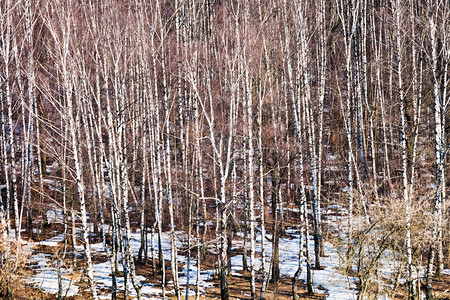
x=204, y=276
x=46, y=277
x=329, y=281
x=334, y=284
x=337, y=285
x=102, y=278
x=55, y=215
x=52, y=242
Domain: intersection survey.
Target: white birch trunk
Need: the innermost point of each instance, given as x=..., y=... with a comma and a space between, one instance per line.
x=322, y=65
x=80, y=185
x=251, y=192
x=439, y=150
x=173, y=249
x=4, y=166
x=347, y=14
x=10, y=165
x=404, y=158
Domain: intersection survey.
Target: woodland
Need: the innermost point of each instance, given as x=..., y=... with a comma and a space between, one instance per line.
x=206, y=149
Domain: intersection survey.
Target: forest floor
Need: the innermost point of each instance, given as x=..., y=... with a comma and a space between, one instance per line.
x=39, y=279
x=41, y=270
x=40, y=275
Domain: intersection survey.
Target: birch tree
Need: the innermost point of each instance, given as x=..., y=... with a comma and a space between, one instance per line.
x=404, y=159
x=440, y=105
